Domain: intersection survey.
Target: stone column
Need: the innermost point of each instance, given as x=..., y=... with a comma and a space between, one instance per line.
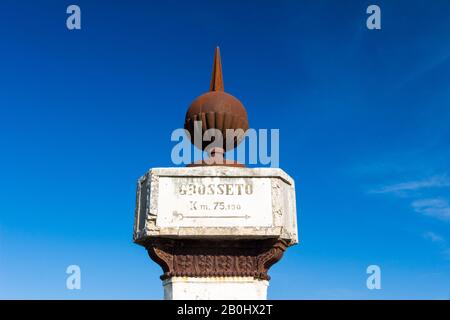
x=215, y=231
x=215, y=288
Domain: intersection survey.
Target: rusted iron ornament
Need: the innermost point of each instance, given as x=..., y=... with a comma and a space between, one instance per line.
x=219, y=110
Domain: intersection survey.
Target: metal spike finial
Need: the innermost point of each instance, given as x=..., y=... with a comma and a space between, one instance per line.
x=217, y=77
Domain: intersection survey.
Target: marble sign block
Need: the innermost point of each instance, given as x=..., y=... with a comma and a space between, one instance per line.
x=216, y=203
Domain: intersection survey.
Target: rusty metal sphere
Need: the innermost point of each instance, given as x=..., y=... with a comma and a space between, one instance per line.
x=217, y=110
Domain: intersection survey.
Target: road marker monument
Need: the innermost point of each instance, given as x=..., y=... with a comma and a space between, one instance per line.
x=216, y=227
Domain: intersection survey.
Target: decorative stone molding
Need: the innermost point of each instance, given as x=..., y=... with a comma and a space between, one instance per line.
x=213, y=258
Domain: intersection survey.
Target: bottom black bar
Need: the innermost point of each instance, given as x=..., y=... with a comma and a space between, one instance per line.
x=269, y=309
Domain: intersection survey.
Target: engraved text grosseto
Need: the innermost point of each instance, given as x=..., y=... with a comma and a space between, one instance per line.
x=227, y=189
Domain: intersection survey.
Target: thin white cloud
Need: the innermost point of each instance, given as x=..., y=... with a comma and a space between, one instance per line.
x=432, y=182
x=437, y=207
x=433, y=237
x=440, y=242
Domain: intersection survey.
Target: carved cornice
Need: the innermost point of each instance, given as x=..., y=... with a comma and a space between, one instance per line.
x=213, y=258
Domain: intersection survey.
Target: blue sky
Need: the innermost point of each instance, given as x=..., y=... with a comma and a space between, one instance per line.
x=363, y=118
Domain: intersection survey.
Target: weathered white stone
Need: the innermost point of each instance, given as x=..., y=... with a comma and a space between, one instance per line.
x=216, y=202
x=215, y=288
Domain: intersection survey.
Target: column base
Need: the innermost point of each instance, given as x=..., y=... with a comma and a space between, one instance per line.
x=215, y=288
